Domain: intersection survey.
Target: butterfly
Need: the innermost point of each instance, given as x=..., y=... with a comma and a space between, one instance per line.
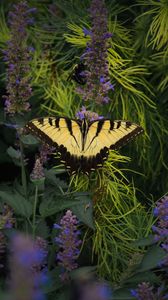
x=78, y=74
x=83, y=145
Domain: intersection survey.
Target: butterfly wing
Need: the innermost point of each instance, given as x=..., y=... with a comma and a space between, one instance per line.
x=104, y=135
x=67, y=137
x=62, y=133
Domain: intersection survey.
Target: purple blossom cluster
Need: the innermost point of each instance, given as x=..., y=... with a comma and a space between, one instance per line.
x=68, y=242
x=161, y=230
x=45, y=151
x=95, y=58
x=2, y=249
x=17, y=56
x=87, y=114
x=144, y=292
x=27, y=276
x=41, y=245
x=6, y=218
x=38, y=171
x=6, y=221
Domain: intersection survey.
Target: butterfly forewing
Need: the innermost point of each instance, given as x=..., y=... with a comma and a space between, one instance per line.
x=60, y=132
x=110, y=134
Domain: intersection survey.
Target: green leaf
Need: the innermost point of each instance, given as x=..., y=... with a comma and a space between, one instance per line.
x=84, y=209
x=29, y=139
x=20, y=205
x=42, y=229
x=4, y=295
x=14, y=154
x=19, y=119
x=152, y=258
x=3, y=155
x=144, y=241
x=9, y=233
x=80, y=204
x=83, y=272
x=54, y=282
x=141, y=277
x=50, y=207
x=122, y=294
x=2, y=117
x=64, y=295
x=50, y=176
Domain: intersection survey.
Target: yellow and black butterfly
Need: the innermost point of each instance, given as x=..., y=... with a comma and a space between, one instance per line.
x=83, y=145
x=78, y=74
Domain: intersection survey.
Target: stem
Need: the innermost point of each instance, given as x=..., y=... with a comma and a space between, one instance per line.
x=34, y=211
x=23, y=173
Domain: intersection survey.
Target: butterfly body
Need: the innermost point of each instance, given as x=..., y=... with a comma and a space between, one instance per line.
x=83, y=145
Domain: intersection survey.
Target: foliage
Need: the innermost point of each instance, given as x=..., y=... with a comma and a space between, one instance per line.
x=114, y=204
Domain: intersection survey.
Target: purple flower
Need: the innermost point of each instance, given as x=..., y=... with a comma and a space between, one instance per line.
x=161, y=230
x=143, y=292
x=2, y=249
x=15, y=126
x=87, y=114
x=56, y=226
x=108, y=35
x=134, y=293
x=42, y=246
x=86, y=31
x=45, y=151
x=95, y=58
x=38, y=172
x=6, y=218
x=17, y=57
x=11, y=67
x=69, y=242
x=32, y=10
x=26, y=279
x=31, y=49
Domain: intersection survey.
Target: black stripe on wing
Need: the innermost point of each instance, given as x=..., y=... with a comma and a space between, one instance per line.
x=81, y=163
x=33, y=129
x=71, y=162
x=128, y=137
